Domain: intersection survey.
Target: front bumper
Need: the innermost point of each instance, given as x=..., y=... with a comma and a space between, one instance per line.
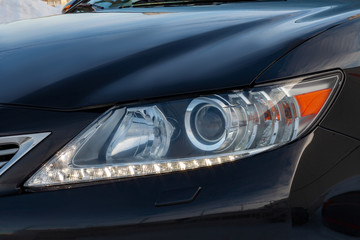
x=245, y=198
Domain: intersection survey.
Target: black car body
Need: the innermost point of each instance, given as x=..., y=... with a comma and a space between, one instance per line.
x=59, y=74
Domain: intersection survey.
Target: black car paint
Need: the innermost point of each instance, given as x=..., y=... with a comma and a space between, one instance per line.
x=106, y=59
x=103, y=63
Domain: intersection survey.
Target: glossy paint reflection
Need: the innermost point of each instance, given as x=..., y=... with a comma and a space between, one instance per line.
x=111, y=57
x=336, y=48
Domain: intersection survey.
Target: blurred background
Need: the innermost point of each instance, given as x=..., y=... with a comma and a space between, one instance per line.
x=15, y=10
x=56, y=2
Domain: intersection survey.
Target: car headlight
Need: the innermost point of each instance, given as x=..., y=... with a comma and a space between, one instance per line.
x=190, y=133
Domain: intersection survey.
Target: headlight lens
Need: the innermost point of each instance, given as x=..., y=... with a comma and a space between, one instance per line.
x=189, y=133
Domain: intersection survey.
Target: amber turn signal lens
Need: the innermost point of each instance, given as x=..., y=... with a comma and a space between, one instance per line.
x=311, y=103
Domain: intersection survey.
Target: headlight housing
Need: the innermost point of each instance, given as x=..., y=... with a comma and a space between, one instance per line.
x=190, y=133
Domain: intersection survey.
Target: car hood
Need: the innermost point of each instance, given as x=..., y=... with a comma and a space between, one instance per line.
x=84, y=60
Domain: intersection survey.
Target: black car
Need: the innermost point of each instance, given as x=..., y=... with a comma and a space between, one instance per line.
x=184, y=119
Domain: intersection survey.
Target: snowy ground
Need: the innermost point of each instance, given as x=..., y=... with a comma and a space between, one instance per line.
x=13, y=10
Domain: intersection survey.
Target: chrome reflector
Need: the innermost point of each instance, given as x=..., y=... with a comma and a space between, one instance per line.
x=13, y=148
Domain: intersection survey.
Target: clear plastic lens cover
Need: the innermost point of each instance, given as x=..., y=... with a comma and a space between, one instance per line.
x=189, y=133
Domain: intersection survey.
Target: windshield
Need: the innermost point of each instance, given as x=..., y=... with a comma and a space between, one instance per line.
x=93, y=5
x=144, y=3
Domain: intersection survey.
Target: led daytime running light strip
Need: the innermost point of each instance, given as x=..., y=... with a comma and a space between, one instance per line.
x=74, y=175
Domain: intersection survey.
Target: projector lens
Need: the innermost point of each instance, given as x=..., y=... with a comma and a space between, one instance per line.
x=209, y=124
